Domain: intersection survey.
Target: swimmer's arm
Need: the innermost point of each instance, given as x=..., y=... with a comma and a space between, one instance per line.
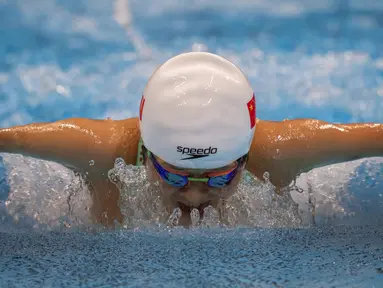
x=87, y=146
x=75, y=142
x=288, y=148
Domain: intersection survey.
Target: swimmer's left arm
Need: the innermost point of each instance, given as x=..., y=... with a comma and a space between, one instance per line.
x=291, y=147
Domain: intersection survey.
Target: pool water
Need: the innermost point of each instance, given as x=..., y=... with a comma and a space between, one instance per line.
x=314, y=59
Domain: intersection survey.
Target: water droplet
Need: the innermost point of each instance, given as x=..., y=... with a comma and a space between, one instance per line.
x=195, y=217
x=175, y=217
x=119, y=163
x=113, y=176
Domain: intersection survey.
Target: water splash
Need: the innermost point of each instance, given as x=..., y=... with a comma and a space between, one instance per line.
x=254, y=204
x=47, y=196
x=175, y=217
x=44, y=196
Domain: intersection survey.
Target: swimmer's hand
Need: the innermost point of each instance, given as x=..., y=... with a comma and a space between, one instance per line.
x=87, y=146
x=291, y=147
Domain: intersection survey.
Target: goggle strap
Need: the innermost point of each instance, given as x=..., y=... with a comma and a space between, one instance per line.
x=140, y=153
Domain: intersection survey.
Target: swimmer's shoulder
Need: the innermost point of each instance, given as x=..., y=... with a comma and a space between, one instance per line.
x=130, y=125
x=128, y=136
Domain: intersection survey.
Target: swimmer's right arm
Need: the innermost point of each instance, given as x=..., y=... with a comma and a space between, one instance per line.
x=75, y=142
x=87, y=146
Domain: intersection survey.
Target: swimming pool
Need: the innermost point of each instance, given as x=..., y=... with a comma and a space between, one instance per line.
x=304, y=59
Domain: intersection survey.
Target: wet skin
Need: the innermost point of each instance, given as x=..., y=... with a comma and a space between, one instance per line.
x=283, y=149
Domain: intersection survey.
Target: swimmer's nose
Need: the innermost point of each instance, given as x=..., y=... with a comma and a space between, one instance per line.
x=195, y=193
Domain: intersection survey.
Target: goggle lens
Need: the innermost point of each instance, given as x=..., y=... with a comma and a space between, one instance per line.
x=177, y=180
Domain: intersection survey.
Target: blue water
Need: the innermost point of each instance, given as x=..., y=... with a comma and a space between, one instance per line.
x=306, y=58
x=331, y=257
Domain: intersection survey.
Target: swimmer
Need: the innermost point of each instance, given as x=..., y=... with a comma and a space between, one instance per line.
x=196, y=133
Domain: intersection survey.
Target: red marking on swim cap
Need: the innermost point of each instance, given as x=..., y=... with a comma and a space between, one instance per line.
x=142, y=106
x=251, y=108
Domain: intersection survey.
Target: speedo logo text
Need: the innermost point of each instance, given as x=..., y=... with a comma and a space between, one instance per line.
x=195, y=153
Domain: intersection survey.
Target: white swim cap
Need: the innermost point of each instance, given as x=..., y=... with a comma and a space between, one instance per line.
x=198, y=111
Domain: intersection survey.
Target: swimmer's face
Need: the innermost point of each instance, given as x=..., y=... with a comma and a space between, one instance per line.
x=194, y=194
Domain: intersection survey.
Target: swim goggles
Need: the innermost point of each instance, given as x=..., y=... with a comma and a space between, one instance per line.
x=180, y=179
